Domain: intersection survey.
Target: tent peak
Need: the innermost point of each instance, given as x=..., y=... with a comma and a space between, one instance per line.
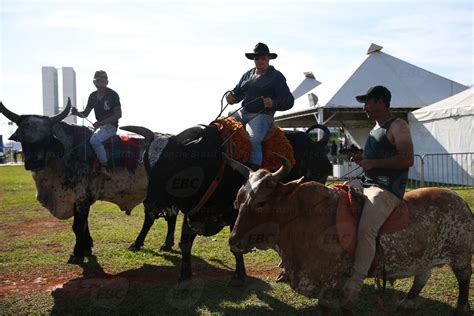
x=373, y=48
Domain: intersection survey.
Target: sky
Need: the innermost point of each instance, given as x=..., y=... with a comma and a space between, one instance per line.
x=172, y=61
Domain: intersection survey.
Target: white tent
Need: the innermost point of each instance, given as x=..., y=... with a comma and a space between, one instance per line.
x=412, y=87
x=445, y=127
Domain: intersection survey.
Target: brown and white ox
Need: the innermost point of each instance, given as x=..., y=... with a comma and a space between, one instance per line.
x=298, y=220
x=66, y=183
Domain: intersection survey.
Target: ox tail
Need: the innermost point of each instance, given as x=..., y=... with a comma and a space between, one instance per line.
x=325, y=139
x=140, y=130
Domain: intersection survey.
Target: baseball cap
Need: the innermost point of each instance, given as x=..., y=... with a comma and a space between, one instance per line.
x=100, y=74
x=377, y=92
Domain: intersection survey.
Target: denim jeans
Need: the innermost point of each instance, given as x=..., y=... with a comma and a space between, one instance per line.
x=101, y=135
x=257, y=126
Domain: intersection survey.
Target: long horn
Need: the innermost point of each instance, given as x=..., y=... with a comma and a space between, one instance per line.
x=61, y=116
x=237, y=166
x=325, y=139
x=140, y=130
x=284, y=170
x=9, y=114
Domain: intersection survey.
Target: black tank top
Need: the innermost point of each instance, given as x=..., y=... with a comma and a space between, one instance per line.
x=379, y=147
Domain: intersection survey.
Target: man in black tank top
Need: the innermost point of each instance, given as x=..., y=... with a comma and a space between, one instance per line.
x=388, y=154
x=106, y=105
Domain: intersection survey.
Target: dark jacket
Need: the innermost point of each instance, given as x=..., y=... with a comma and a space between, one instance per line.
x=271, y=84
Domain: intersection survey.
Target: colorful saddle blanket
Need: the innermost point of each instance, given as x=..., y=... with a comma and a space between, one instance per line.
x=122, y=150
x=233, y=132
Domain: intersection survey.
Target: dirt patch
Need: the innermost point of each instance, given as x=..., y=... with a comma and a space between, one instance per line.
x=13, y=281
x=72, y=280
x=35, y=226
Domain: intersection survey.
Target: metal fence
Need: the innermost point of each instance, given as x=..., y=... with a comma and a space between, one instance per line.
x=447, y=169
x=439, y=170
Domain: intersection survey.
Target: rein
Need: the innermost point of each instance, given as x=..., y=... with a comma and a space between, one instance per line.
x=214, y=184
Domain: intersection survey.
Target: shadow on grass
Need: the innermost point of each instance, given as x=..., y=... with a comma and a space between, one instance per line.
x=153, y=289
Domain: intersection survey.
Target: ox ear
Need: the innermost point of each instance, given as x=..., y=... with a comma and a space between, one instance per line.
x=57, y=147
x=237, y=166
x=291, y=187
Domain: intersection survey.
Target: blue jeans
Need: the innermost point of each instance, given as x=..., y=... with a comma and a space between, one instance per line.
x=257, y=126
x=101, y=135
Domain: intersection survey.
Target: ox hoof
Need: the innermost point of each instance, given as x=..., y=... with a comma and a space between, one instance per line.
x=134, y=248
x=166, y=247
x=76, y=260
x=236, y=281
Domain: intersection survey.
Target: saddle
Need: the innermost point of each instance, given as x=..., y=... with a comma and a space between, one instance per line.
x=348, y=214
x=122, y=150
x=239, y=144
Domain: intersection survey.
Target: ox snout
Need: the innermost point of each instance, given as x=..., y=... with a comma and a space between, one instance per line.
x=246, y=242
x=238, y=244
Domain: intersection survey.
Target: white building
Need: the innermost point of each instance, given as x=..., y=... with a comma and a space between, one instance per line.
x=69, y=90
x=50, y=90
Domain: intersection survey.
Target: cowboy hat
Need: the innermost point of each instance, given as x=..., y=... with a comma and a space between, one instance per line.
x=260, y=50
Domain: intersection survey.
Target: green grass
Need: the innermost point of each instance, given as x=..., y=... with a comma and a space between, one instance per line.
x=33, y=245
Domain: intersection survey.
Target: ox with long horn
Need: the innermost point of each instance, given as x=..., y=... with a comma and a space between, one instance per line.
x=15, y=118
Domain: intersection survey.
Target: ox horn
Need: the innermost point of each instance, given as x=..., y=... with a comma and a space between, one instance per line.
x=284, y=170
x=15, y=118
x=61, y=116
x=325, y=139
x=140, y=130
x=237, y=166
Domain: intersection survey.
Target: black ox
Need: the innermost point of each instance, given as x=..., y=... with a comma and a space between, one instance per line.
x=187, y=166
x=61, y=166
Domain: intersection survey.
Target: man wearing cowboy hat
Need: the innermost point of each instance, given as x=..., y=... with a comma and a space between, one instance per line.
x=264, y=91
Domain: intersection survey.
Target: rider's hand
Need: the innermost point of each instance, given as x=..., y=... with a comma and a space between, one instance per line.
x=97, y=125
x=366, y=164
x=268, y=103
x=74, y=111
x=230, y=98
x=356, y=158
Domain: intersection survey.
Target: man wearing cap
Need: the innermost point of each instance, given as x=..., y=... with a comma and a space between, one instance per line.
x=106, y=105
x=263, y=91
x=388, y=153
